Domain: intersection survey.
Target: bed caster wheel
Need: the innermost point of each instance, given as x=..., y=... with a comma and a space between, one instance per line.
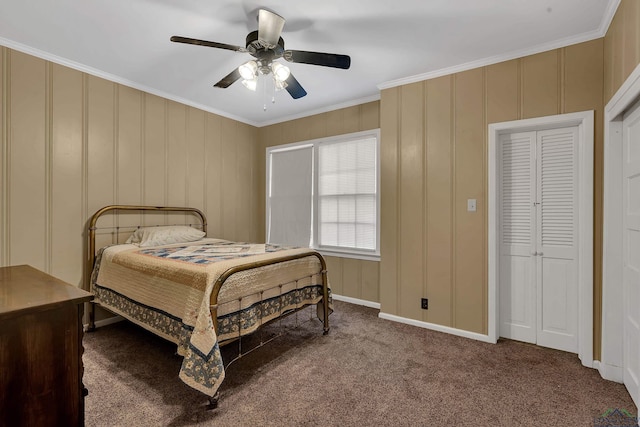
x=213, y=401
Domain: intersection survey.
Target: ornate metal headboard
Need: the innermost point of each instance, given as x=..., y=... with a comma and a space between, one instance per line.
x=91, y=244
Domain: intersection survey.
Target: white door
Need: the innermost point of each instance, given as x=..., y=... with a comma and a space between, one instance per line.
x=631, y=252
x=538, y=286
x=517, y=234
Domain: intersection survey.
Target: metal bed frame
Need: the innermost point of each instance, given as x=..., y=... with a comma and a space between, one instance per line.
x=91, y=258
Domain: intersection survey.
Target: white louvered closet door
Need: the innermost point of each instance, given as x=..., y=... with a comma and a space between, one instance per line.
x=538, y=242
x=517, y=234
x=556, y=242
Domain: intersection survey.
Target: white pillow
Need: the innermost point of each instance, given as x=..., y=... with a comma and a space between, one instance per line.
x=165, y=235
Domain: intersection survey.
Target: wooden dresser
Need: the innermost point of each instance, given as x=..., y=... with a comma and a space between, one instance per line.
x=40, y=349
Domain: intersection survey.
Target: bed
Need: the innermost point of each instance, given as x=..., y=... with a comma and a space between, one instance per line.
x=199, y=292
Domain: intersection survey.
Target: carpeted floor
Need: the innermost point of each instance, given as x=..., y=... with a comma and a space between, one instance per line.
x=367, y=371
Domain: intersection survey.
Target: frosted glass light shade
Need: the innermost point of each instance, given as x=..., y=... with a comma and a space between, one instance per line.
x=248, y=70
x=280, y=72
x=251, y=84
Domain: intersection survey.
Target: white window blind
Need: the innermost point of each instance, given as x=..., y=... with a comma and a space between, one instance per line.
x=347, y=188
x=290, y=196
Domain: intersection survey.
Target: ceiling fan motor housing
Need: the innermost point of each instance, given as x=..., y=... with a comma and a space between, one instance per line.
x=265, y=54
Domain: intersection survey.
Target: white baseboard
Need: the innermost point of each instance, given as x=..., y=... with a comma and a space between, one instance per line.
x=609, y=372
x=105, y=322
x=439, y=328
x=356, y=301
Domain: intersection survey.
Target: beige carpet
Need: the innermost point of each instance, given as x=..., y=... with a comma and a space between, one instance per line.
x=367, y=371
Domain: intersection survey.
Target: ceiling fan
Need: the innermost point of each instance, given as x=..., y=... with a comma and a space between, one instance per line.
x=266, y=45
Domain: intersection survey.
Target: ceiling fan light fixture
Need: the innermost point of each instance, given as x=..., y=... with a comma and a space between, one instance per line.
x=280, y=72
x=250, y=84
x=248, y=70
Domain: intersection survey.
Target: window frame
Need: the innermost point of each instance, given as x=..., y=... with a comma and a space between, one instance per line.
x=370, y=255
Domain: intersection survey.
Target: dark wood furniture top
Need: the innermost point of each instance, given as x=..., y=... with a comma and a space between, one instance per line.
x=40, y=349
x=24, y=289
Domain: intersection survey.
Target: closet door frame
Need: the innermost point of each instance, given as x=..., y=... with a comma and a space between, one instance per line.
x=585, y=122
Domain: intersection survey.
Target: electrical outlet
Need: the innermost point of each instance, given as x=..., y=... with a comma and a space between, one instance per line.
x=425, y=303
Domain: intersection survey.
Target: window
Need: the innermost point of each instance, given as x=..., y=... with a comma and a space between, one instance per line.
x=325, y=194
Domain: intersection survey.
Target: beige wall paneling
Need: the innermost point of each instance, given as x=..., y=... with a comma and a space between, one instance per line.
x=67, y=214
x=101, y=152
x=370, y=115
x=155, y=155
x=213, y=174
x=4, y=156
x=351, y=277
x=503, y=91
x=621, y=46
x=411, y=200
x=176, y=173
x=583, y=90
x=439, y=201
x=195, y=149
x=229, y=191
x=257, y=182
x=540, y=84
x=28, y=148
x=130, y=156
x=470, y=300
x=389, y=222
x=244, y=179
x=370, y=280
x=630, y=46
x=615, y=49
x=334, y=274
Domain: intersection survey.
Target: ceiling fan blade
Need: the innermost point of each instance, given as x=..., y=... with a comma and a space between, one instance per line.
x=318, y=58
x=187, y=40
x=269, y=27
x=229, y=79
x=294, y=88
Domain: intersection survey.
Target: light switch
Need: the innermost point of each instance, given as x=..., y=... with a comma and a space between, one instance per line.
x=471, y=205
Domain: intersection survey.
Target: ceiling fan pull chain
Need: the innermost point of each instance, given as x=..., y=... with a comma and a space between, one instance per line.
x=264, y=93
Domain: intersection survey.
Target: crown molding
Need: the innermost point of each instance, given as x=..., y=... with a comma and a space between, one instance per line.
x=116, y=79
x=567, y=41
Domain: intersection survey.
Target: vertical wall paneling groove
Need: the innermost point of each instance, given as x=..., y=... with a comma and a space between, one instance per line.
x=520, y=98
x=165, y=151
x=425, y=195
x=84, y=197
x=561, y=80
x=143, y=139
x=116, y=144
x=5, y=164
x=48, y=169
x=452, y=106
x=483, y=209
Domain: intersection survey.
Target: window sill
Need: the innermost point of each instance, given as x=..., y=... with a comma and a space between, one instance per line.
x=345, y=254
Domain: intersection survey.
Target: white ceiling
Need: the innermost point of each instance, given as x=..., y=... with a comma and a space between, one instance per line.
x=390, y=42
